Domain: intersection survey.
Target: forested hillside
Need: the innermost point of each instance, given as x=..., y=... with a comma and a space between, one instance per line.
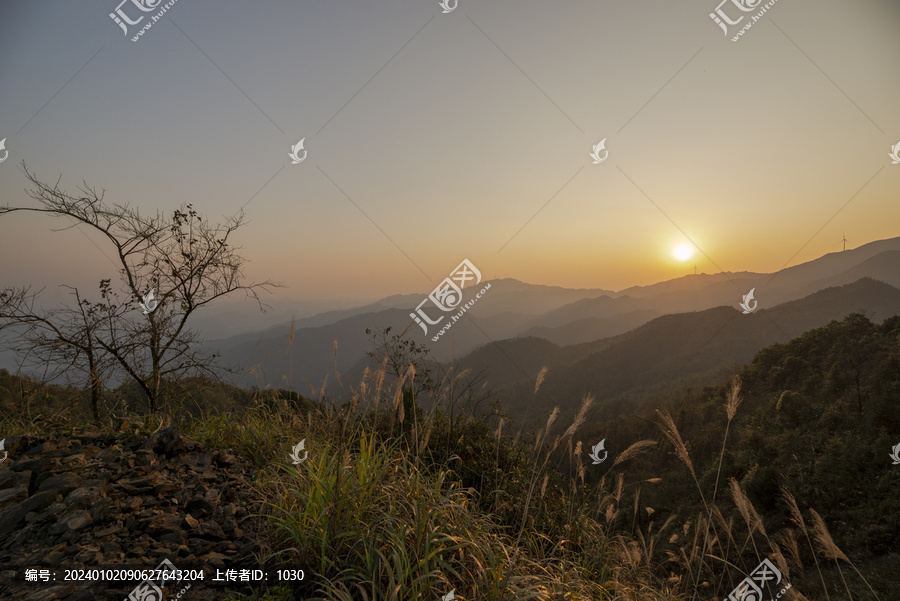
x=818, y=417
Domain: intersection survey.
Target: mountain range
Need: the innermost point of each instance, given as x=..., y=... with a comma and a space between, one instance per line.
x=677, y=328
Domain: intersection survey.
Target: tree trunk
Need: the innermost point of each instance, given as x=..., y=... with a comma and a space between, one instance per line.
x=95, y=387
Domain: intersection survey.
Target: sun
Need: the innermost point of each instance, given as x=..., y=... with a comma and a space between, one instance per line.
x=683, y=252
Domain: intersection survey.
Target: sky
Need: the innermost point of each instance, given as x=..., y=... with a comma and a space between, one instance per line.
x=433, y=137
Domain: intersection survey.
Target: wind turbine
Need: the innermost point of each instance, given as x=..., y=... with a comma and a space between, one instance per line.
x=845, y=241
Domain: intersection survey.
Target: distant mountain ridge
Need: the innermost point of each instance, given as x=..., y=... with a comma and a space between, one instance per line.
x=668, y=348
x=563, y=316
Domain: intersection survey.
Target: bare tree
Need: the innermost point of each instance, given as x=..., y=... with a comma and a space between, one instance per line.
x=401, y=353
x=61, y=339
x=183, y=260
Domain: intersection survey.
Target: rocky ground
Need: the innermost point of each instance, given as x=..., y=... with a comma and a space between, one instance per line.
x=120, y=500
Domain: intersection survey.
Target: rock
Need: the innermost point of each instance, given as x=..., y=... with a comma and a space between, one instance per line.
x=64, y=483
x=12, y=495
x=224, y=458
x=114, y=500
x=12, y=516
x=164, y=442
x=144, y=457
x=33, y=465
x=198, y=546
x=107, y=531
x=199, y=507
x=51, y=514
x=164, y=524
x=76, y=519
x=57, y=555
x=22, y=478
x=99, y=509
x=7, y=477
x=215, y=560
x=138, y=486
x=211, y=530
x=176, y=538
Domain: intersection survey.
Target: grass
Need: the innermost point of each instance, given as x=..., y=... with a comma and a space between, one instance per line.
x=382, y=510
x=397, y=503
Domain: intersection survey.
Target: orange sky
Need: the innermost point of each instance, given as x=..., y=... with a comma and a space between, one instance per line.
x=434, y=138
